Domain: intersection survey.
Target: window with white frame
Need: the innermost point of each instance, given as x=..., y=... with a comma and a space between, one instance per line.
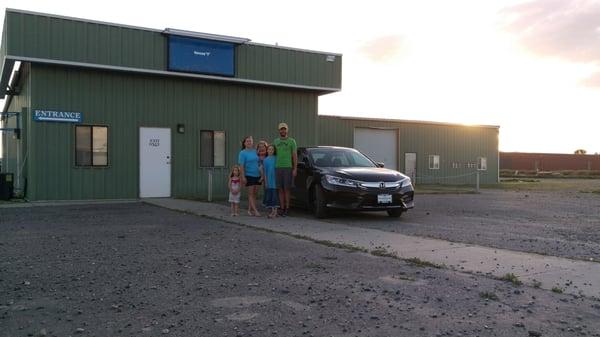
x=212, y=148
x=434, y=162
x=482, y=164
x=91, y=145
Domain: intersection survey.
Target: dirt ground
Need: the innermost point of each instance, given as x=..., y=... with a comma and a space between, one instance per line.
x=139, y=270
x=557, y=217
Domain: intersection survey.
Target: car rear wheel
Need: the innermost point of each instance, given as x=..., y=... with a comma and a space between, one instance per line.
x=395, y=213
x=319, y=205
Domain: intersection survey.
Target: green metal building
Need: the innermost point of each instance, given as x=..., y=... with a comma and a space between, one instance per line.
x=96, y=110
x=428, y=152
x=85, y=91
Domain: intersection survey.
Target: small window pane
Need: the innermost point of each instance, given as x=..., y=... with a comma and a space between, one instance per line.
x=83, y=145
x=482, y=165
x=219, y=148
x=434, y=162
x=206, y=148
x=100, y=145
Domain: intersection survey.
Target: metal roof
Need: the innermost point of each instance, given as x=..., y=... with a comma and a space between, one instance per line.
x=408, y=121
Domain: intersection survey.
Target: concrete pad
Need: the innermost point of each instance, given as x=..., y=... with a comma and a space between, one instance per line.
x=572, y=276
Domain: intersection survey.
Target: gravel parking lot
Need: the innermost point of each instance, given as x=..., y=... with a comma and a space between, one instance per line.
x=552, y=217
x=135, y=269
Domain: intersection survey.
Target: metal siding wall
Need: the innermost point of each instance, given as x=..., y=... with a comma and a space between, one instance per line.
x=48, y=37
x=452, y=143
x=126, y=102
x=287, y=66
x=21, y=104
x=62, y=39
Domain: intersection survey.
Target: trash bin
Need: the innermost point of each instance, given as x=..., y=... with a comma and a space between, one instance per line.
x=6, y=185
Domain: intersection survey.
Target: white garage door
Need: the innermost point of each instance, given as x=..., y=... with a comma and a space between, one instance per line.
x=380, y=145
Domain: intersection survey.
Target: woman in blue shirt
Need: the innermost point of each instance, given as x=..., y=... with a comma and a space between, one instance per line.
x=250, y=173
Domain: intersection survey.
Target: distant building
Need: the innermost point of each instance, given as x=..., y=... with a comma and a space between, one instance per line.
x=548, y=161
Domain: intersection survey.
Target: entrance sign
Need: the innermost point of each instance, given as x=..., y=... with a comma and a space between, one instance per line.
x=57, y=116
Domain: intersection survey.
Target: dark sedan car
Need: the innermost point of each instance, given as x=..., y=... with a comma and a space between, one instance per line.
x=343, y=178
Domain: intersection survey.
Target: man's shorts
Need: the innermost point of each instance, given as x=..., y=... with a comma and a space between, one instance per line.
x=284, y=179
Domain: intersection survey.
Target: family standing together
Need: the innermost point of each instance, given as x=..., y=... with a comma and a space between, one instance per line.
x=270, y=165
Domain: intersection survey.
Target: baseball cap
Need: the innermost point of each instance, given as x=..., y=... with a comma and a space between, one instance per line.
x=282, y=125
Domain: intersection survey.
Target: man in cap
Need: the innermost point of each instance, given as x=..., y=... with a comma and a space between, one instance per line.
x=285, y=166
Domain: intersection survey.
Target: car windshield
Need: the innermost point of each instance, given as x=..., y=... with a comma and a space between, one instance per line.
x=336, y=157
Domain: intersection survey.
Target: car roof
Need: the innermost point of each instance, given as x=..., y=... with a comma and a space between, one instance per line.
x=326, y=147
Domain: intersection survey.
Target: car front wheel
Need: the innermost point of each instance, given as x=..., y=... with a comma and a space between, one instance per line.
x=319, y=205
x=395, y=213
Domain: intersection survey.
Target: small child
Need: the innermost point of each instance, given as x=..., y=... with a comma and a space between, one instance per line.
x=234, y=185
x=261, y=152
x=271, y=197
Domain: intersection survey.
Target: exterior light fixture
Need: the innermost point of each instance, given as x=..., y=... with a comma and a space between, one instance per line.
x=180, y=128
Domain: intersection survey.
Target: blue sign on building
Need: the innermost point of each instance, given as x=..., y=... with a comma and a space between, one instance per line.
x=201, y=56
x=57, y=116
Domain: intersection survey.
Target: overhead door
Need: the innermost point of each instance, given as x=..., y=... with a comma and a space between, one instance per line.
x=381, y=145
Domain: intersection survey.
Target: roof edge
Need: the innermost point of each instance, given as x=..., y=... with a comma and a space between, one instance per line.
x=410, y=121
x=549, y=154
x=321, y=90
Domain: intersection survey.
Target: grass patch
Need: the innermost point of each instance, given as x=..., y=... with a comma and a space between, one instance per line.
x=486, y=295
x=346, y=246
x=445, y=189
x=560, y=174
x=557, y=290
x=545, y=184
x=512, y=278
x=517, y=180
x=383, y=252
x=591, y=191
x=536, y=283
x=421, y=263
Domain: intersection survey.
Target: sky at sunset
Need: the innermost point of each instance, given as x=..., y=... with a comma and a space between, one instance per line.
x=531, y=67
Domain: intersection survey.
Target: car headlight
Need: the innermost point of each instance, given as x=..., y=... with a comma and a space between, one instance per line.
x=406, y=182
x=341, y=181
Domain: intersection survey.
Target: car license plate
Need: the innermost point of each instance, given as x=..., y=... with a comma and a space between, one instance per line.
x=384, y=198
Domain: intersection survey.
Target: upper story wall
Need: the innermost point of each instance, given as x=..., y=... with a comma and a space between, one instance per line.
x=38, y=37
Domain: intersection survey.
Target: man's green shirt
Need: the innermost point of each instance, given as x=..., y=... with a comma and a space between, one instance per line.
x=285, y=148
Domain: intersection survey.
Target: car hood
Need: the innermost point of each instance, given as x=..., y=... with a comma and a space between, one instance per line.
x=374, y=174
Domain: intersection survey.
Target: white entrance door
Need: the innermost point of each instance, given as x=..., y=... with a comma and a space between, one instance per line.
x=381, y=145
x=410, y=165
x=155, y=162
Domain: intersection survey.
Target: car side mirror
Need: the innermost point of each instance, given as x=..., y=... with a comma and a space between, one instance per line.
x=380, y=164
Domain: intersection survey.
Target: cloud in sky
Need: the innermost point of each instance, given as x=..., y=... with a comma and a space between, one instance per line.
x=560, y=28
x=383, y=49
x=565, y=29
